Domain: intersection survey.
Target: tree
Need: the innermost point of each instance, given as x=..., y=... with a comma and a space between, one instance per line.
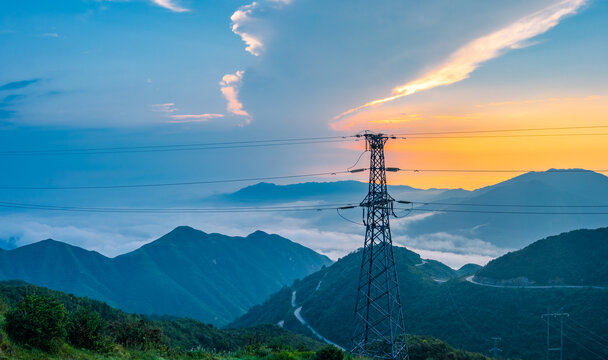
x=85, y=329
x=136, y=333
x=38, y=321
x=329, y=353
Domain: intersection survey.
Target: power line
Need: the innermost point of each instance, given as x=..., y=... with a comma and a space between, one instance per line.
x=503, y=170
x=286, y=141
x=497, y=136
x=604, y=346
x=601, y=357
x=504, y=130
x=506, y=212
x=591, y=332
x=509, y=205
x=292, y=208
x=329, y=173
x=280, y=208
x=184, y=147
x=89, y=187
x=345, y=218
x=358, y=159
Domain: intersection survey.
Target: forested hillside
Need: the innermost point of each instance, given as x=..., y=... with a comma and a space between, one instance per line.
x=573, y=258
x=457, y=311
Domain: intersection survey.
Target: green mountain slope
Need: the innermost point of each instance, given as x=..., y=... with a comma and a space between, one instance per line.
x=457, y=311
x=468, y=269
x=180, y=333
x=182, y=338
x=573, y=258
x=210, y=277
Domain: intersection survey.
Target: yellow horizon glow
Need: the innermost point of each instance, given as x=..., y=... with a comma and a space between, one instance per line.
x=492, y=153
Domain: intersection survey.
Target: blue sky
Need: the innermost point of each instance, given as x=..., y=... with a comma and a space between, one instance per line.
x=95, y=73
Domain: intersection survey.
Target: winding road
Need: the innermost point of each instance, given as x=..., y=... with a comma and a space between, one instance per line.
x=470, y=279
x=298, y=315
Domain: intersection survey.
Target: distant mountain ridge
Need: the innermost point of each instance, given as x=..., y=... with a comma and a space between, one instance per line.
x=347, y=191
x=496, y=218
x=209, y=277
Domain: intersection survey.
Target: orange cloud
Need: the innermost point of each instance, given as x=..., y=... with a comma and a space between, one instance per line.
x=465, y=60
x=230, y=86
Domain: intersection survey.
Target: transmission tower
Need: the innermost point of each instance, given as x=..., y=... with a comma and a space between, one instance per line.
x=495, y=350
x=560, y=349
x=378, y=329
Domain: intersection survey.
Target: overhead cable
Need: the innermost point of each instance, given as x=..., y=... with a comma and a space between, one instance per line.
x=507, y=212
x=178, y=147
x=202, y=182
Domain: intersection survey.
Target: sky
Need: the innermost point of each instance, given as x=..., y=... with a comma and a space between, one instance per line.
x=111, y=73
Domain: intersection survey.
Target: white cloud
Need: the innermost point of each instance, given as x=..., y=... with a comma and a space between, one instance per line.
x=442, y=241
x=166, y=108
x=170, y=108
x=465, y=60
x=404, y=220
x=333, y=244
x=114, y=234
x=453, y=260
x=230, y=86
x=244, y=16
x=111, y=242
x=239, y=19
x=194, y=118
x=170, y=5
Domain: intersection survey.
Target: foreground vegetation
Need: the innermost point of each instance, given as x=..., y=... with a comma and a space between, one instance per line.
x=37, y=323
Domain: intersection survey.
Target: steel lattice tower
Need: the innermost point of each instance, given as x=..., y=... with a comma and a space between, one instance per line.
x=378, y=329
x=559, y=349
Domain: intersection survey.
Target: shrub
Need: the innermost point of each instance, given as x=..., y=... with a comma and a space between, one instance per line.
x=329, y=353
x=3, y=308
x=137, y=334
x=85, y=329
x=284, y=355
x=37, y=321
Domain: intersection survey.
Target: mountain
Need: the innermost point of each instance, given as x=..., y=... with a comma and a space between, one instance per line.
x=557, y=191
x=491, y=220
x=468, y=269
x=342, y=191
x=573, y=258
x=457, y=311
x=209, y=277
